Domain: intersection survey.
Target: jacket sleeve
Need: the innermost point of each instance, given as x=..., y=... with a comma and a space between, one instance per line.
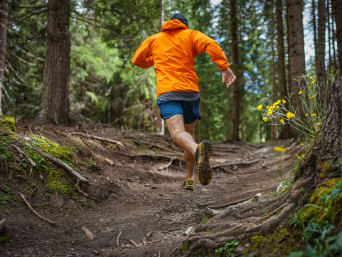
x=142, y=57
x=203, y=43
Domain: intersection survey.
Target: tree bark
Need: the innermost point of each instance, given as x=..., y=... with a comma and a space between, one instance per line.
x=327, y=151
x=337, y=9
x=285, y=130
x=297, y=56
x=236, y=67
x=320, y=60
x=55, y=96
x=275, y=90
x=314, y=29
x=3, y=41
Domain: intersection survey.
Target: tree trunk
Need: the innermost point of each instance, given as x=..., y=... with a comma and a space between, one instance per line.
x=55, y=96
x=314, y=29
x=285, y=130
x=297, y=56
x=236, y=68
x=159, y=122
x=331, y=22
x=337, y=9
x=320, y=60
x=275, y=89
x=328, y=148
x=3, y=40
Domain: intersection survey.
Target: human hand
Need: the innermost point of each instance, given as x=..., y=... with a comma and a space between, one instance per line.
x=228, y=77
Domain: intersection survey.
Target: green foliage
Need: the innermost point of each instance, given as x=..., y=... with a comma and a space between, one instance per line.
x=205, y=219
x=228, y=249
x=55, y=183
x=4, y=194
x=317, y=218
x=4, y=143
x=63, y=153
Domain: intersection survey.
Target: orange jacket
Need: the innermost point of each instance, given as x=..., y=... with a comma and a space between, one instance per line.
x=172, y=52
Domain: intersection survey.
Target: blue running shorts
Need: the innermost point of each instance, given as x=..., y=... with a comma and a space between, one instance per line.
x=189, y=110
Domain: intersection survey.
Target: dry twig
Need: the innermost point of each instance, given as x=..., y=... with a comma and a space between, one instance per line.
x=118, y=239
x=89, y=234
x=35, y=212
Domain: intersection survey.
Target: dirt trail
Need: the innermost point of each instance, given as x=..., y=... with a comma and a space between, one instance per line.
x=140, y=193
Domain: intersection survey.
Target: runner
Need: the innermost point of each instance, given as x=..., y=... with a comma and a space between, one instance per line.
x=172, y=52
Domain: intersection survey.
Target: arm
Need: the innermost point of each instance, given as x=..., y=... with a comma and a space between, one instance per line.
x=203, y=43
x=142, y=57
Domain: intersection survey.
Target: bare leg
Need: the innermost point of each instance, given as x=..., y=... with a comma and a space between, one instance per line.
x=182, y=135
x=189, y=157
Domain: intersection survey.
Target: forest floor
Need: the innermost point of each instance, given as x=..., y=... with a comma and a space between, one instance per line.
x=140, y=208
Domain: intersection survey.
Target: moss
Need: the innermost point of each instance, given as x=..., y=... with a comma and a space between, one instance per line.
x=63, y=153
x=325, y=204
x=279, y=243
x=185, y=248
x=7, y=124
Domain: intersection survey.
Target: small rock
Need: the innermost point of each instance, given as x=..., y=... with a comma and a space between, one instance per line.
x=95, y=252
x=189, y=231
x=57, y=201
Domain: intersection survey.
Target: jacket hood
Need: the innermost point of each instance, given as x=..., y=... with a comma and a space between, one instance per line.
x=173, y=24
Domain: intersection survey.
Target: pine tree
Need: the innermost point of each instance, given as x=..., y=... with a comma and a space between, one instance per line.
x=3, y=41
x=296, y=47
x=55, y=96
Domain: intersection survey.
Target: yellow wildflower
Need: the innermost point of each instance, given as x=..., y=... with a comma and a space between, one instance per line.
x=282, y=121
x=306, y=115
x=312, y=97
x=264, y=118
x=302, y=144
x=284, y=101
x=290, y=115
x=267, y=107
x=269, y=112
x=313, y=82
x=279, y=149
x=313, y=115
x=311, y=77
x=259, y=107
x=300, y=92
x=277, y=102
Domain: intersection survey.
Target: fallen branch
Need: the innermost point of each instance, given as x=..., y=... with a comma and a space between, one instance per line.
x=152, y=156
x=26, y=155
x=89, y=234
x=98, y=138
x=35, y=212
x=62, y=164
x=102, y=158
x=237, y=164
x=219, y=206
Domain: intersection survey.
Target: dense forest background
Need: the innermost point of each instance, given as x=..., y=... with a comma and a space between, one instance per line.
x=69, y=61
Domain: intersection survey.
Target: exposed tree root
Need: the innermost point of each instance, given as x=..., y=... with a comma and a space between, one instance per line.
x=108, y=140
x=35, y=212
x=245, y=218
